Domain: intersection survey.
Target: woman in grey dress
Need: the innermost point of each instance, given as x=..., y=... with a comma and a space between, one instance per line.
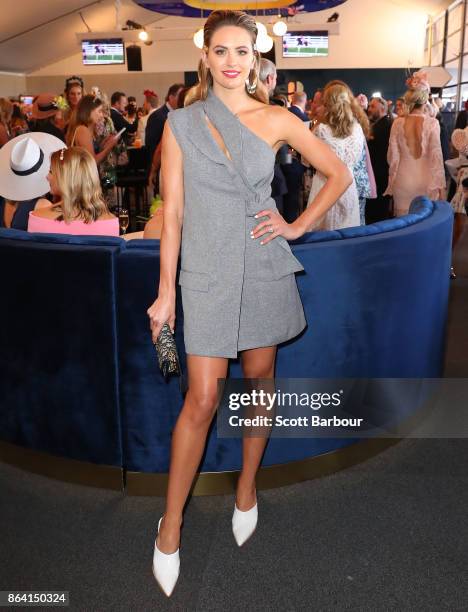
x=239, y=292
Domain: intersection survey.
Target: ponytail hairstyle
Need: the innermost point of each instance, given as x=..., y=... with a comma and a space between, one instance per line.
x=355, y=105
x=216, y=20
x=415, y=98
x=418, y=91
x=338, y=113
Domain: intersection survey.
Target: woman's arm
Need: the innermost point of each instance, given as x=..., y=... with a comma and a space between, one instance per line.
x=83, y=139
x=163, y=309
x=292, y=130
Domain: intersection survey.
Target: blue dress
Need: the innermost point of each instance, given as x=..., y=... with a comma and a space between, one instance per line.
x=21, y=216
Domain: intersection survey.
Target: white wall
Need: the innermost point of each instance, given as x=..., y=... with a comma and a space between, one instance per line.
x=161, y=56
x=12, y=85
x=373, y=34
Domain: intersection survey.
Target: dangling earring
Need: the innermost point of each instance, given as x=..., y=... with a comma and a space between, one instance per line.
x=251, y=87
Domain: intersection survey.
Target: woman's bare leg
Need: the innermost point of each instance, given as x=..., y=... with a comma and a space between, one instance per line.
x=256, y=363
x=188, y=441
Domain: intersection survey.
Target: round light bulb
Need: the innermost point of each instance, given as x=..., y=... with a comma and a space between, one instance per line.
x=264, y=43
x=262, y=31
x=143, y=35
x=280, y=28
x=198, y=38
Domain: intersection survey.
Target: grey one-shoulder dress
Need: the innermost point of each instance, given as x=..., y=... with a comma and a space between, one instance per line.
x=236, y=293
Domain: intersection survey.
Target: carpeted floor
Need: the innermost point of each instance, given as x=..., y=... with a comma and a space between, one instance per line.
x=388, y=535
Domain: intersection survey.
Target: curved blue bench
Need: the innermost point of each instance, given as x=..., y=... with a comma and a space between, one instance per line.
x=79, y=375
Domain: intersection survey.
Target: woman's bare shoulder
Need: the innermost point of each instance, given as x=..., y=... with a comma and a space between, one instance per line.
x=47, y=212
x=107, y=216
x=153, y=228
x=43, y=203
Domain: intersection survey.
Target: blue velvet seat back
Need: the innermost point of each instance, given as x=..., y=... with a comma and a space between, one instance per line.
x=79, y=374
x=365, y=319
x=59, y=380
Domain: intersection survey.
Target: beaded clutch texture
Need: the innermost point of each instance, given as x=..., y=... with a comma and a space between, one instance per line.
x=166, y=350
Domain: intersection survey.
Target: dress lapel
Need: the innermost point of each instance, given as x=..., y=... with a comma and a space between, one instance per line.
x=227, y=124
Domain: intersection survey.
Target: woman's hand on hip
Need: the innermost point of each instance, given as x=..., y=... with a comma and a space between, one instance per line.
x=274, y=226
x=160, y=312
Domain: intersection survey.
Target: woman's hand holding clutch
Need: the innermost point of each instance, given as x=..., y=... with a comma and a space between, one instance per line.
x=160, y=312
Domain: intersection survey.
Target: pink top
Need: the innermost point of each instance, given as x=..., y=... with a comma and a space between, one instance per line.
x=102, y=227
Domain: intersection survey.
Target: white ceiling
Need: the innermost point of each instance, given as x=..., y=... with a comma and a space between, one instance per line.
x=35, y=33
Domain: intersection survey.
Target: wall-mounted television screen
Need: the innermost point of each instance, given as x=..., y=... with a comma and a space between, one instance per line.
x=103, y=51
x=305, y=44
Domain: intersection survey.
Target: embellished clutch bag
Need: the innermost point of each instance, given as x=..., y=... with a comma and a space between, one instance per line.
x=166, y=350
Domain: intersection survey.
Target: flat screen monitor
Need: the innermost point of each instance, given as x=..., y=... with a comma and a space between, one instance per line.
x=103, y=51
x=26, y=99
x=305, y=44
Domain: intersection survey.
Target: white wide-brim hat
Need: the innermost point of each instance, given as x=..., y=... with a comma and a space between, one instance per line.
x=24, y=165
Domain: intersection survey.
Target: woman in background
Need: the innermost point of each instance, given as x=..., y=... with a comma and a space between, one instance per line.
x=74, y=91
x=82, y=129
x=362, y=170
x=416, y=165
x=18, y=123
x=47, y=117
x=81, y=210
x=340, y=129
x=23, y=172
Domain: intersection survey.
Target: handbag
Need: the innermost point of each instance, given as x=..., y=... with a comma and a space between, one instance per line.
x=166, y=350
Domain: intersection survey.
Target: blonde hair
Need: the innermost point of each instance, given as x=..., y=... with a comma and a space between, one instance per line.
x=415, y=98
x=216, y=20
x=77, y=177
x=342, y=108
x=6, y=111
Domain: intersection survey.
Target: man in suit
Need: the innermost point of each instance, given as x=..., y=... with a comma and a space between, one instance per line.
x=298, y=105
x=279, y=188
x=155, y=127
x=378, y=208
x=294, y=171
x=118, y=106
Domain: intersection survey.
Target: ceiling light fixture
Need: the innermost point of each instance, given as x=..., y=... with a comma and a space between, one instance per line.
x=198, y=38
x=264, y=43
x=261, y=29
x=280, y=28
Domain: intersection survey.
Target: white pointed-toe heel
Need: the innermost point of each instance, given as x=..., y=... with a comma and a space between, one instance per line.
x=244, y=523
x=166, y=567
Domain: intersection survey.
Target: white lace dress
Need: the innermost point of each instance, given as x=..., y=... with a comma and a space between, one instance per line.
x=409, y=176
x=345, y=212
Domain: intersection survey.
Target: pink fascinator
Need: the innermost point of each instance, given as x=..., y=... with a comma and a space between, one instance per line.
x=418, y=80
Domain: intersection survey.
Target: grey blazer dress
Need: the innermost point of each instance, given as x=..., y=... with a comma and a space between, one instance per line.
x=236, y=293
